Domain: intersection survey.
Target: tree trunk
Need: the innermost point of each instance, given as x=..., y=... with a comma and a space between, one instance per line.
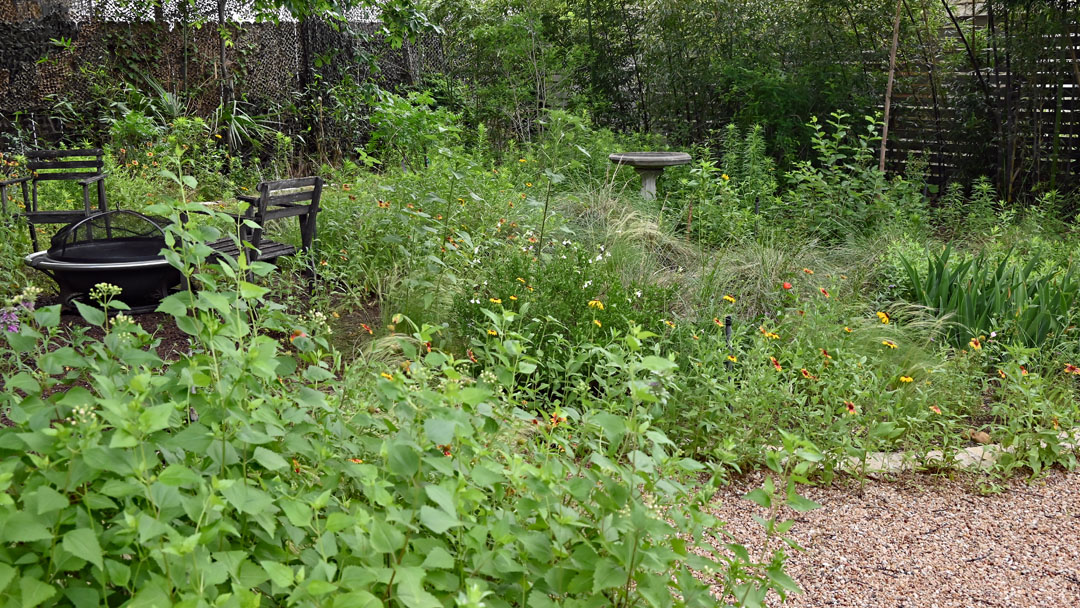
x=889, y=86
x=226, y=92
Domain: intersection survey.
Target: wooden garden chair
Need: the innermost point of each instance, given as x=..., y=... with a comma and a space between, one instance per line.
x=84, y=167
x=276, y=200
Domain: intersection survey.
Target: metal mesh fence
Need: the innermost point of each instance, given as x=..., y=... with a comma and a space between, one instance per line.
x=57, y=52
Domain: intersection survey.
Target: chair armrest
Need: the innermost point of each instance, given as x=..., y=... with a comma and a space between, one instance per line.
x=17, y=180
x=92, y=179
x=247, y=199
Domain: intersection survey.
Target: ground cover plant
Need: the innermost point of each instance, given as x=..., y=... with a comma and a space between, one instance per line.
x=511, y=381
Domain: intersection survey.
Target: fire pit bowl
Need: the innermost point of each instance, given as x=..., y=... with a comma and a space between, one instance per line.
x=120, y=247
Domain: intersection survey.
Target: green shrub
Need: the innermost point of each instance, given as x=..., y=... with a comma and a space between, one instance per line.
x=243, y=473
x=405, y=128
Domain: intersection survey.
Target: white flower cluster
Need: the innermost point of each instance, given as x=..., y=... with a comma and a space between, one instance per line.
x=27, y=298
x=318, y=321
x=81, y=415
x=104, y=291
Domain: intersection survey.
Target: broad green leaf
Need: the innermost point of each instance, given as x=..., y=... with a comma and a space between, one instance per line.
x=22, y=527
x=83, y=597
x=385, y=538
x=402, y=459
x=7, y=573
x=34, y=592
x=178, y=475
x=357, y=599
x=759, y=497
x=49, y=500
x=439, y=431
x=83, y=543
x=658, y=364
x=410, y=590
x=250, y=291
x=317, y=587
x=247, y=499
x=47, y=316
x=801, y=503
x=437, y=520
x=156, y=418
x=314, y=373
x=442, y=497
x=119, y=573
x=270, y=460
x=777, y=575
x=438, y=558
x=24, y=382
x=607, y=575
x=150, y=596
x=299, y=513
x=280, y=574
x=93, y=316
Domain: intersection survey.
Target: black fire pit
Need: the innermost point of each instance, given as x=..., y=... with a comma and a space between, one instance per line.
x=119, y=247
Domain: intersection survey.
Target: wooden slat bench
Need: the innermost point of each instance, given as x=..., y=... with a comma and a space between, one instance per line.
x=276, y=200
x=84, y=167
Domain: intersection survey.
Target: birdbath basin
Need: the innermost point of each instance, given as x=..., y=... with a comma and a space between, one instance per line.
x=649, y=166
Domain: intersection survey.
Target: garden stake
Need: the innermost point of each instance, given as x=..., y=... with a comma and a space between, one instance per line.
x=727, y=338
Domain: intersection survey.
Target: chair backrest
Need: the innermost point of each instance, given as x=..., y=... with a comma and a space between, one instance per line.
x=64, y=164
x=301, y=191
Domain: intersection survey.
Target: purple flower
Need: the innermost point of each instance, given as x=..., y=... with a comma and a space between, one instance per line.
x=9, y=320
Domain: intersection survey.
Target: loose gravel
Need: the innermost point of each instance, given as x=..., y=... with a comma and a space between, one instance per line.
x=921, y=541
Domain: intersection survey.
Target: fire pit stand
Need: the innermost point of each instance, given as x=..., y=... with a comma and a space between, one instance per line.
x=119, y=247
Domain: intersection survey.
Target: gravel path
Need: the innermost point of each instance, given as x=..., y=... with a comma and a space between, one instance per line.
x=922, y=541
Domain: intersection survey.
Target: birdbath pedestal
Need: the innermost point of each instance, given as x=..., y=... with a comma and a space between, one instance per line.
x=649, y=166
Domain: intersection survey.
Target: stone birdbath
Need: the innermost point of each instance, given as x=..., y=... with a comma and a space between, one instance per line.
x=649, y=166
